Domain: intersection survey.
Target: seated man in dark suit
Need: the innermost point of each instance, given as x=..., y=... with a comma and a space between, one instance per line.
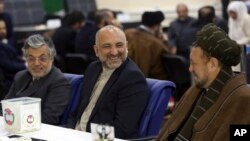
x=114, y=90
x=42, y=79
x=10, y=62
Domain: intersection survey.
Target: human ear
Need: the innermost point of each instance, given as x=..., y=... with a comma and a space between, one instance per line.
x=96, y=50
x=214, y=63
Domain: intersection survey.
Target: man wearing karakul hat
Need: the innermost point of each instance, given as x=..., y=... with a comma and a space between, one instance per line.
x=219, y=97
x=146, y=45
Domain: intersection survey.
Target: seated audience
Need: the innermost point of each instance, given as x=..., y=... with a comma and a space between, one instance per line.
x=2, y=86
x=9, y=24
x=146, y=45
x=10, y=62
x=64, y=37
x=218, y=98
x=42, y=79
x=114, y=90
x=207, y=15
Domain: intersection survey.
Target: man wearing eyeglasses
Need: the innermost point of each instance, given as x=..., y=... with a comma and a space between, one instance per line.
x=42, y=79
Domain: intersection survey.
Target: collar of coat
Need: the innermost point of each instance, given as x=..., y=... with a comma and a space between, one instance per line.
x=186, y=103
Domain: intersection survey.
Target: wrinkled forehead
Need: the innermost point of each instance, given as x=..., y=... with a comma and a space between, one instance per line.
x=196, y=54
x=42, y=50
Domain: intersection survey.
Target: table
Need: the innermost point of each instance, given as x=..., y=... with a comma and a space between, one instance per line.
x=53, y=133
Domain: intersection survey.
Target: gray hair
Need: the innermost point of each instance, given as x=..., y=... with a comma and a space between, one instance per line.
x=36, y=41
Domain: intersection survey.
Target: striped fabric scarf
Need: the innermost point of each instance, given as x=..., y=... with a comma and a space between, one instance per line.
x=205, y=101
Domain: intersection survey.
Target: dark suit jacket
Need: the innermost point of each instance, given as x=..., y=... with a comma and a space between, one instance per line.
x=85, y=40
x=10, y=64
x=2, y=86
x=121, y=102
x=53, y=89
x=9, y=27
x=64, y=40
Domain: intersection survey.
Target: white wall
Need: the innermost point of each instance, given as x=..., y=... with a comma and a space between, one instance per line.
x=134, y=8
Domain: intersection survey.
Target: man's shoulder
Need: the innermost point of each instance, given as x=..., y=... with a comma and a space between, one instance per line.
x=129, y=67
x=94, y=65
x=237, y=85
x=56, y=74
x=236, y=80
x=22, y=73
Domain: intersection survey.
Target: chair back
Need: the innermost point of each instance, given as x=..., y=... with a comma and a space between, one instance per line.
x=248, y=68
x=160, y=92
x=177, y=69
x=76, y=63
x=59, y=63
x=76, y=82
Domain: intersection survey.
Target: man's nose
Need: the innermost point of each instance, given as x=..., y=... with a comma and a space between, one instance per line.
x=114, y=50
x=190, y=68
x=37, y=62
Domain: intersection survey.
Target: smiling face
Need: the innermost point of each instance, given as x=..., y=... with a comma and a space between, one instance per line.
x=39, y=61
x=111, y=47
x=204, y=68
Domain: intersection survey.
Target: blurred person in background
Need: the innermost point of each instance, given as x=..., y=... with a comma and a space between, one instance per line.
x=8, y=22
x=239, y=19
x=64, y=37
x=147, y=44
x=239, y=27
x=208, y=14
x=176, y=30
x=10, y=62
x=85, y=39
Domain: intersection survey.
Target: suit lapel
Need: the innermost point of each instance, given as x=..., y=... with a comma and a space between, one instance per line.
x=89, y=83
x=105, y=91
x=30, y=89
x=107, y=87
x=183, y=110
x=180, y=112
x=24, y=85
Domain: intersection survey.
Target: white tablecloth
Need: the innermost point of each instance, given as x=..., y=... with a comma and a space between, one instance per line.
x=53, y=133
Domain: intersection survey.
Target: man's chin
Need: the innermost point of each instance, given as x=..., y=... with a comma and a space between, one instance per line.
x=113, y=65
x=37, y=75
